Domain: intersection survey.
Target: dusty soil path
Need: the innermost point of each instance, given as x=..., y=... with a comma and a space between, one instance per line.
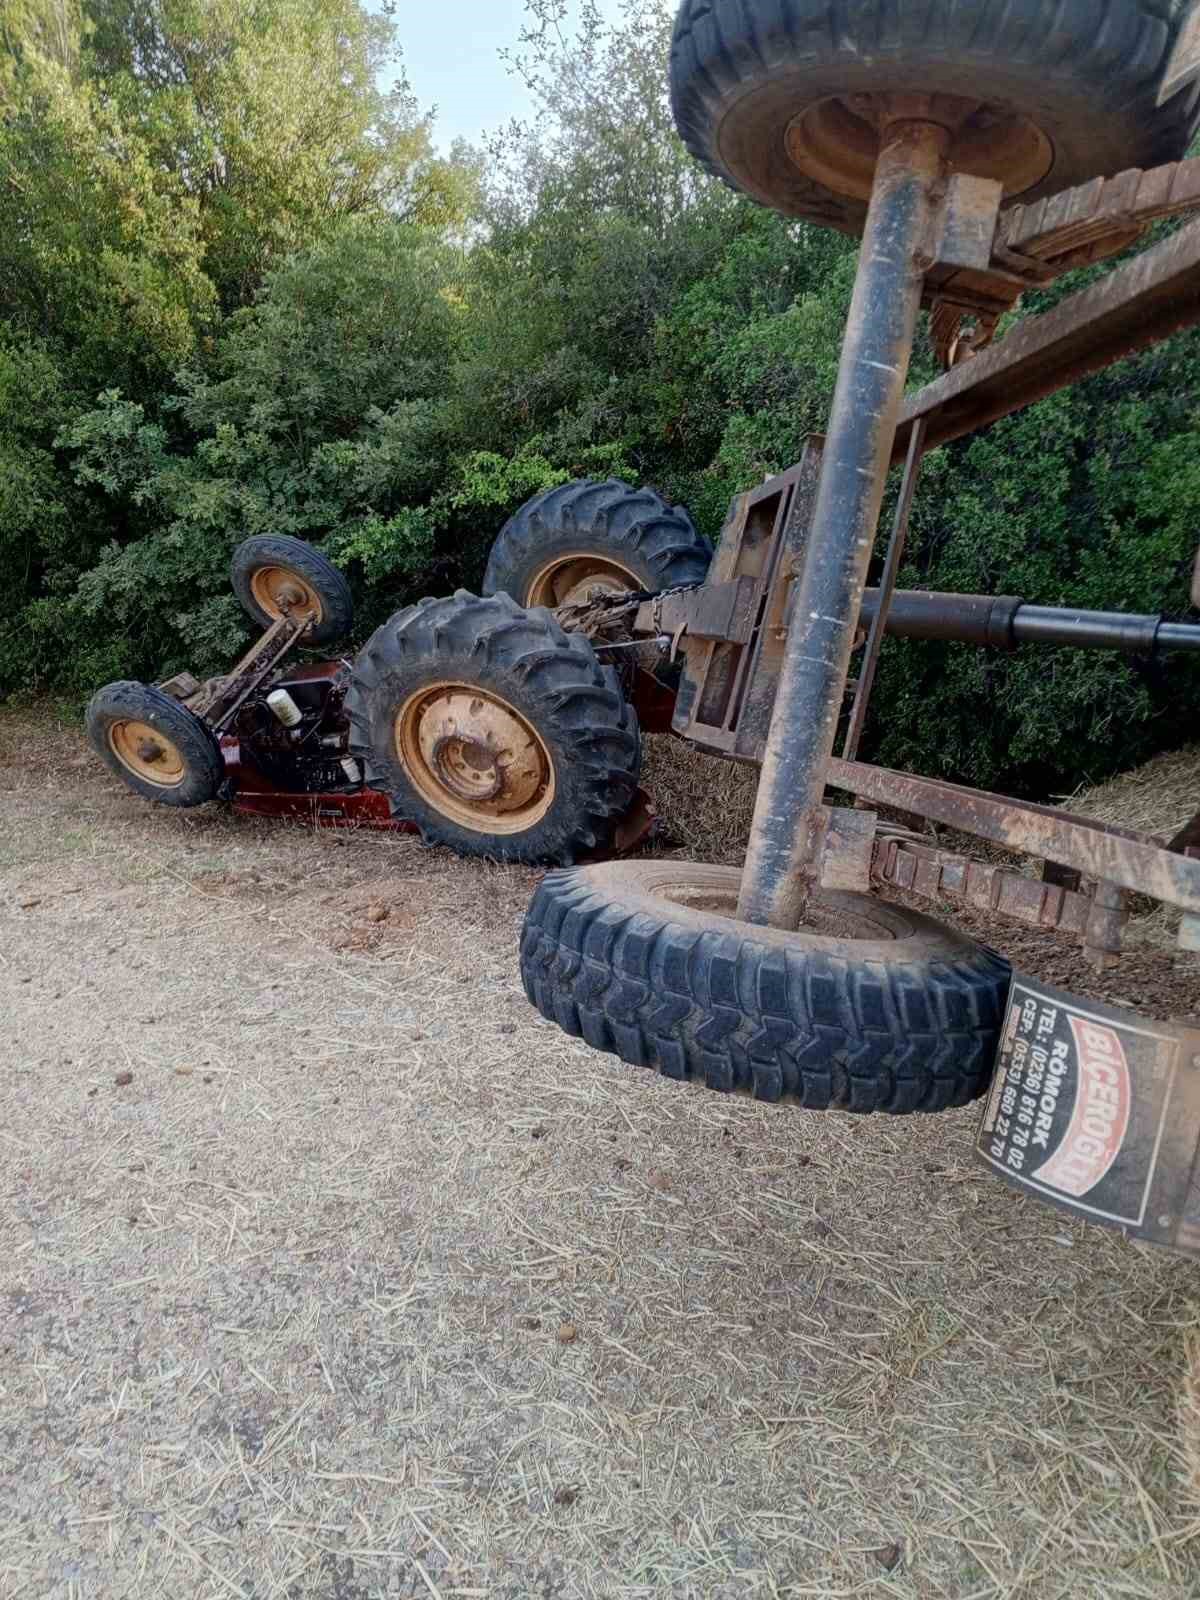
x=369, y=1283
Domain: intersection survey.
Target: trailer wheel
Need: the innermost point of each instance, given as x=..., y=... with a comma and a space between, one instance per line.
x=274, y=573
x=872, y=1008
x=586, y=538
x=776, y=96
x=155, y=745
x=493, y=730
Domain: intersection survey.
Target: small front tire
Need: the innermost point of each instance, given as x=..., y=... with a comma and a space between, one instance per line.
x=155, y=745
x=274, y=574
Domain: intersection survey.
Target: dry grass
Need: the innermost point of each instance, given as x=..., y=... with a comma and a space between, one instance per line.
x=289, y=1316
x=705, y=804
x=1189, y=1420
x=1159, y=797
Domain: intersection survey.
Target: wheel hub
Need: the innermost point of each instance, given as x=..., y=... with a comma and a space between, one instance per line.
x=837, y=141
x=577, y=579
x=475, y=758
x=468, y=769
x=280, y=592
x=147, y=753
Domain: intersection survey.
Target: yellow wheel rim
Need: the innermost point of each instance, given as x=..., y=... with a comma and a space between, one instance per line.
x=574, y=579
x=279, y=591
x=148, y=754
x=474, y=758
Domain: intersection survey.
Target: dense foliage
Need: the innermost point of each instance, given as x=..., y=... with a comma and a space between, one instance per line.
x=240, y=291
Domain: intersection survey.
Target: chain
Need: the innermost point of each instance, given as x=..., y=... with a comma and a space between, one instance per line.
x=606, y=608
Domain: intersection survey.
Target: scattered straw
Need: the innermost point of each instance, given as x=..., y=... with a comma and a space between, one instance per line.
x=1189, y=1420
x=1158, y=797
x=705, y=803
x=287, y=1324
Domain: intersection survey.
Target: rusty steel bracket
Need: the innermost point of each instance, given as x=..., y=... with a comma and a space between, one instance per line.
x=1037, y=243
x=714, y=611
x=848, y=848
x=1116, y=856
x=217, y=700
x=900, y=863
x=1139, y=303
x=183, y=686
x=733, y=648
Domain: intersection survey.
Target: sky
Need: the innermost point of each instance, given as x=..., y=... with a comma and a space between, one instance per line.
x=451, y=56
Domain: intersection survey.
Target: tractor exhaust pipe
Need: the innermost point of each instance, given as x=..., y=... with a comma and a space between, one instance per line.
x=1002, y=622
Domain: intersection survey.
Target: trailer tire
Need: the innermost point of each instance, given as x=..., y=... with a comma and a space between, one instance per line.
x=270, y=564
x=1067, y=91
x=155, y=745
x=496, y=732
x=583, y=537
x=646, y=960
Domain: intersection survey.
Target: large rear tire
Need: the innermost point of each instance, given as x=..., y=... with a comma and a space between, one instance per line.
x=769, y=94
x=492, y=729
x=584, y=539
x=874, y=1008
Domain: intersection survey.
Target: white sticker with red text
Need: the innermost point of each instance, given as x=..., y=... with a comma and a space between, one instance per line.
x=1069, y=1112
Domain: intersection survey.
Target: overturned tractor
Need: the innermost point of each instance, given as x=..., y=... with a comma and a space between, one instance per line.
x=980, y=151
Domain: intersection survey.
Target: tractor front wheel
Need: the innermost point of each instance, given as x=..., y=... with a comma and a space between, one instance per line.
x=274, y=575
x=155, y=745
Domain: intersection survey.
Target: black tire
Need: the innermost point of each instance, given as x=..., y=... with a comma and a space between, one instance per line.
x=484, y=652
x=633, y=958
x=189, y=766
x=327, y=594
x=747, y=76
x=633, y=529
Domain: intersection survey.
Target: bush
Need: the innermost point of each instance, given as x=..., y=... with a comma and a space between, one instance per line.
x=1089, y=498
x=317, y=414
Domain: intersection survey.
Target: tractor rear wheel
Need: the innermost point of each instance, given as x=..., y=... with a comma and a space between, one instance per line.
x=779, y=97
x=492, y=729
x=870, y=1007
x=155, y=745
x=580, y=540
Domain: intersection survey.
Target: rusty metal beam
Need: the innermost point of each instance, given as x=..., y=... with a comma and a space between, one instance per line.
x=887, y=588
x=1137, y=305
x=1117, y=856
x=899, y=863
x=781, y=862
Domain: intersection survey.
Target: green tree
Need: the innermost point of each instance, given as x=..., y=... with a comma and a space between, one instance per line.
x=272, y=116
x=100, y=249
x=318, y=413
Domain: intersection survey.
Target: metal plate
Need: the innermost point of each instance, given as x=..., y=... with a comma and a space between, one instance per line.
x=1098, y=1111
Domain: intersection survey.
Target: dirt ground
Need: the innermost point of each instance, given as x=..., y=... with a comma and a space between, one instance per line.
x=332, y=1271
